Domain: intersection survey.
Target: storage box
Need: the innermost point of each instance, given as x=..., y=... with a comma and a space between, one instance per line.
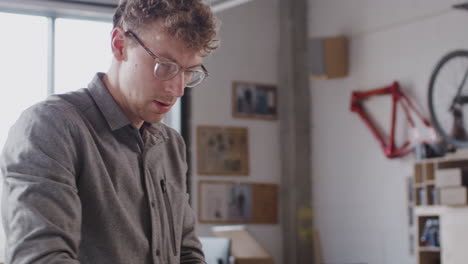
x=244, y=248
x=454, y=196
x=451, y=177
x=328, y=57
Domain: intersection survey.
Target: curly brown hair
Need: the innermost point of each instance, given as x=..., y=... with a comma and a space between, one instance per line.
x=191, y=21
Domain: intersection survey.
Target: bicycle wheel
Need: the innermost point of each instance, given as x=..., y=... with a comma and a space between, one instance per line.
x=448, y=97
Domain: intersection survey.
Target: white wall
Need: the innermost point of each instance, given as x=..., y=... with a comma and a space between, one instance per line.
x=359, y=194
x=248, y=52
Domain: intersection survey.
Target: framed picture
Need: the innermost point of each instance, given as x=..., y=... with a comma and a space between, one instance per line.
x=230, y=202
x=222, y=151
x=253, y=100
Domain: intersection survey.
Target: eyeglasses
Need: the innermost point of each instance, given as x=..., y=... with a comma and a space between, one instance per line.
x=166, y=69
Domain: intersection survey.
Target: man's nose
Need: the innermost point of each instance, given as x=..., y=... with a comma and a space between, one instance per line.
x=175, y=86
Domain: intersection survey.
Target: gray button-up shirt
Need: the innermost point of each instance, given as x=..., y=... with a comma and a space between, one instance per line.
x=84, y=185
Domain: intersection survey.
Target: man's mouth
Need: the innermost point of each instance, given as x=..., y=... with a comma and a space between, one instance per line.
x=162, y=106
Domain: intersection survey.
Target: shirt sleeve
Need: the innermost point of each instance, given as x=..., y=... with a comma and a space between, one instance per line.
x=191, y=249
x=41, y=209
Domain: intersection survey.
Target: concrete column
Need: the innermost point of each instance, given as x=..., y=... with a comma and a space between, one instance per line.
x=294, y=110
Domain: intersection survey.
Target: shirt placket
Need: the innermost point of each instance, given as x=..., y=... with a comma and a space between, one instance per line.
x=156, y=238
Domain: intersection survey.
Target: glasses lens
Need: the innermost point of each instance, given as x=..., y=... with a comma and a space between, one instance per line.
x=165, y=70
x=194, y=77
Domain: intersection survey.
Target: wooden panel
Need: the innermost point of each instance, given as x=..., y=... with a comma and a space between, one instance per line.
x=418, y=173
x=265, y=197
x=429, y=258
x=336, y=57
x=429, y=171
x=452, y=164
x=254, y=261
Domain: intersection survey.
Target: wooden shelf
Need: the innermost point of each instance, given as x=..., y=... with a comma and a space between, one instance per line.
x=428, y=210
x=429, y=257
x=429, y=249
x=418, y=185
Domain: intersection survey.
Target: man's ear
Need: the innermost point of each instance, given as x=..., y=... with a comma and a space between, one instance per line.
x=118, y=43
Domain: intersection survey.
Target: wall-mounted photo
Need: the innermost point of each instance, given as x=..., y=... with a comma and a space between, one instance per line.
x=226, y=202
x=237, y=203
x=254, y=100
x=222, y=151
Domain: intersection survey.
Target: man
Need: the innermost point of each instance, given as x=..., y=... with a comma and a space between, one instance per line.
x=93, y=176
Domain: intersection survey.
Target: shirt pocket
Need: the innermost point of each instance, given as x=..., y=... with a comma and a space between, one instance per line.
x=174, y=204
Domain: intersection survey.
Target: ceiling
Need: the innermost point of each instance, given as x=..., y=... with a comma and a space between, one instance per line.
x=90, y=8
x=115, y=2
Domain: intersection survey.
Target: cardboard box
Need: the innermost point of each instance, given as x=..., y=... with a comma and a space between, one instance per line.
x=451, y=177
x=328, y=57
x=244, y=247
x=454, y=196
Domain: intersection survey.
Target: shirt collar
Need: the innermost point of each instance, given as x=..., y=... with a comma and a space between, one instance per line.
x=112, y=112
x=156, y=133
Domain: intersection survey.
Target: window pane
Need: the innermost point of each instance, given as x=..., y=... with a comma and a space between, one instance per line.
x=23, y=66
x=82, y=49
x=173, y=117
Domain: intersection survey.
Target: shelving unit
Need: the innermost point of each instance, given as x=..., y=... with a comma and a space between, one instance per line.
x=453, y=221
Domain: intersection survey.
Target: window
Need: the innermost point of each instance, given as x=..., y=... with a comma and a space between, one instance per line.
x=82, y=48
x=23, y=66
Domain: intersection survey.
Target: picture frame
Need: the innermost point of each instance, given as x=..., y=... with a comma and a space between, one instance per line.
x=254, y=100
x=228, y=202
x=222, y=151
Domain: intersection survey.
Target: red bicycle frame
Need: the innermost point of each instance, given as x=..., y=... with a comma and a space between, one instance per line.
x=389, y=148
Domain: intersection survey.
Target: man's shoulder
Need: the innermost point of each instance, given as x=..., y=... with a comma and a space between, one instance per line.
x=47, y=122
x=78, y=100
x=60, y=107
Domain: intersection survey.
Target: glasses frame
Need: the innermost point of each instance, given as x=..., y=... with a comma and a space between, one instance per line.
x=160, y=59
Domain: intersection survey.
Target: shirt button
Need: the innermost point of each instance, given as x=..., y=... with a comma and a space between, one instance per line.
x=153, y=204
x=158, y=252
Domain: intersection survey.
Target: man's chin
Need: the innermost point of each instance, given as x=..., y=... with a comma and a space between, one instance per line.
x=155, y=118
